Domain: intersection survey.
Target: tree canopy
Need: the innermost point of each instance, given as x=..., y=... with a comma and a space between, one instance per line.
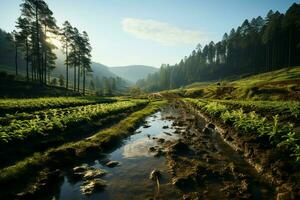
x=257, y=45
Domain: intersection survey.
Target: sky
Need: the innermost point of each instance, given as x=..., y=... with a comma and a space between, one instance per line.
x=152, y=32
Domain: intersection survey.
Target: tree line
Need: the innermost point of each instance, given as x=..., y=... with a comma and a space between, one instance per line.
x=257, y=45
x=32, y=38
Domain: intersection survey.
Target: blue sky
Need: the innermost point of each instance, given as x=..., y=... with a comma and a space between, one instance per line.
x=152, y=32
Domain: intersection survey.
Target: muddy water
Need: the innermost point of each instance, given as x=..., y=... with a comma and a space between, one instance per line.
x=130, y=180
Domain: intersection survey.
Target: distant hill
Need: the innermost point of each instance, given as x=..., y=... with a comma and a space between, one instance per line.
x=98, y=70
x=133, y=72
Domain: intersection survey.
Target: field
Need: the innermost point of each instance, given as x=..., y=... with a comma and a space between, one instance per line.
x=225, y=143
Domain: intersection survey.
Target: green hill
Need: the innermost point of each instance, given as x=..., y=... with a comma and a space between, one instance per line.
x=280, y=84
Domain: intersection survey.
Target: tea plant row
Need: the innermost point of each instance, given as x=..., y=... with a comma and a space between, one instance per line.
x=34, y=104
x=281, y=135
x=59, y=119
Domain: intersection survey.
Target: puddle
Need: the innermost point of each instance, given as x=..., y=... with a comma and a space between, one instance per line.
x=131, y=178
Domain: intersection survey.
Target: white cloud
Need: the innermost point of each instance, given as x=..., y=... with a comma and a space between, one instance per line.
x=161, y=32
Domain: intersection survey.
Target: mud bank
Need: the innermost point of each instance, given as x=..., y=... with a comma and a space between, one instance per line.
x=270, y=163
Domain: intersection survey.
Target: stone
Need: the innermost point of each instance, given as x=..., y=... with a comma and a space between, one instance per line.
x=206, y=131
x=146, y=126
x=169, y=134
x=165, y=127
x=81, y=168
x=94, y=173
x=161, y=140
x=152, y=149
x=91, y=186
x=155, y=174
x=211, y=125
x=112, y=163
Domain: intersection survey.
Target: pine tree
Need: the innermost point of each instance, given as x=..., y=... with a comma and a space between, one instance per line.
x=66, y=32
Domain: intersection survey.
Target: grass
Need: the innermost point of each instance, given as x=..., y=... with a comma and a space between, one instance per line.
x=283, y=84
x=285, y=74
x=15, y=177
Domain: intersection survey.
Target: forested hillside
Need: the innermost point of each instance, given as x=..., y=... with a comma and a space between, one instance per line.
x=258, y=45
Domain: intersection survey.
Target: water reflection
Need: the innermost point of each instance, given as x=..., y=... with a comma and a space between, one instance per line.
x=130, y=180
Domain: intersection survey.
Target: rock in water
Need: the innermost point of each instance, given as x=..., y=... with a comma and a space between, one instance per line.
x=81, y=168
x=146, y=126
x=206, y=131
x=94, y=173
x=91, y=186
x=154, y=174
x=112, y=163
x=161, y=140
x=152, y=149
x=169, y=134
x=211, y=125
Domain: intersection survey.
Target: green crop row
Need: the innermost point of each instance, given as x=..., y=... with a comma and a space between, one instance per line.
x=43, y=114
x=34, y=104
x=279, y=134
x=56, y=119
x=290, y=108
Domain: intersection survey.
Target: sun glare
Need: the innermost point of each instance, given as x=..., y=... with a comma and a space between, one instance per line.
x=54, y=39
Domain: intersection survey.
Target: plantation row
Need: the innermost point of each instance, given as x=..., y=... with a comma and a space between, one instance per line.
x=42, y=114
x=287, y=108
x=280, y=135
x=59, y=119
x=34, y=104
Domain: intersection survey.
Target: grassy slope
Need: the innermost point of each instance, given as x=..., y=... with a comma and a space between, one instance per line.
x=281, y=84
x=26, y=171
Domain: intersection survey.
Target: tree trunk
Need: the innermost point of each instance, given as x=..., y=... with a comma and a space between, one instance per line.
x=74, y=78
x=78, y=81
x=83, y=81
x=27, y=60
x=42, y=66
x=290, y=44
x=16, y=58
x=67, y=67
x=38, y=43
x=45, y=60
x=46, y=69
x=32, y=73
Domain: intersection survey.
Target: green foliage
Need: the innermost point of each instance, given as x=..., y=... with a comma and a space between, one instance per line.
x=214, y=108
x=281, y=135
x=58, y=119
x=31, y=104
x=290, y=108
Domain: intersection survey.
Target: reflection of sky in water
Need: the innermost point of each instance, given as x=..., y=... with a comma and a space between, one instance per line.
x=138, y=144
x=136, y=164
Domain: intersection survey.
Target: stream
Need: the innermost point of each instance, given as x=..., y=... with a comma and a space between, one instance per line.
x=228, y=175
